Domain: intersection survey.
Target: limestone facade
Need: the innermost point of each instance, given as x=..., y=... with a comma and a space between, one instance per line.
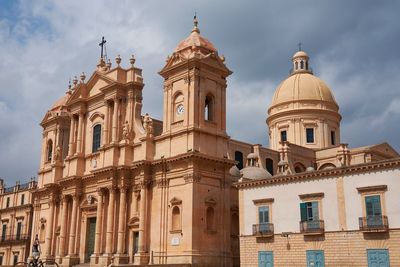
x=16, y=211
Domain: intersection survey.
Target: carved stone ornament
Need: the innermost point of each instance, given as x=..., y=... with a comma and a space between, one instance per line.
x=192, y=178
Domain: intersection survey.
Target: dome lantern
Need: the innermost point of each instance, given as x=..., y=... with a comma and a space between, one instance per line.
x=300, y=63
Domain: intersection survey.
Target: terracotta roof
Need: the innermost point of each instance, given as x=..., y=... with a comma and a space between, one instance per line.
x=195, y=40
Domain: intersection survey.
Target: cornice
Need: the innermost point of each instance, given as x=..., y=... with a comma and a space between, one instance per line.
x=322, y=174
x=28, y=207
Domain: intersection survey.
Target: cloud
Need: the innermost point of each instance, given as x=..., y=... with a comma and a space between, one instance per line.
x=353, y=45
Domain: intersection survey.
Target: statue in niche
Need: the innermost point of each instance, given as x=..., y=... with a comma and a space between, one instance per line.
x=57, y=155
x=125, y=130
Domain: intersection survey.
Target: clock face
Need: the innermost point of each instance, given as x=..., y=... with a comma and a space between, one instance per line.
x=180, y=109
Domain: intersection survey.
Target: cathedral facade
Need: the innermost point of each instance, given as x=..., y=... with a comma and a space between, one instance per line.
x=118, y=186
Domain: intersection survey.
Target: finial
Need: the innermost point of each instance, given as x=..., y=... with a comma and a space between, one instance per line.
x=75, y=81
x=299, y=44
x=83, y=77
x=195, y=23
x=108, y=64
x=69, y=84
x=132, y=60
x=118, y=60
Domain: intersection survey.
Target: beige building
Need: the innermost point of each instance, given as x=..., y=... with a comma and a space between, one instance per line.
x=328, y=205
x=16, y=212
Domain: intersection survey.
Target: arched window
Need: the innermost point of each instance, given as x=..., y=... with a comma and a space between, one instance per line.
x=306, y=65
x=302, y=64
x=210, y=219
x=49, y=150
x=296, y=65
x=96, y=138
x=239, y=159
x=269, y=165
x=209, y=108
x=176, y=218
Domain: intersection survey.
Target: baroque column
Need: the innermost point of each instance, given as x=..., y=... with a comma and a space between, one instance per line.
x=99, y=220
x=142, y=215
x=115, y=121
x=80, y=129
x=106, y=123
x=110, y=221
x=71, y=136
x=72, y=235
x=122, y=221
x=49, y=226
x=63, y=230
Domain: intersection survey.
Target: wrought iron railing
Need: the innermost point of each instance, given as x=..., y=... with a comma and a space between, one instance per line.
x=13, y=238
x=24, y=186
x=9, y=189
x=263, y=229
x=374, y=223
x=312, y=227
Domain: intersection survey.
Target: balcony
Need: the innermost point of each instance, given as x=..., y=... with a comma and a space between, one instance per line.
x=315, y=227
x=375, y=223
x=12, y=239
x=263, y=230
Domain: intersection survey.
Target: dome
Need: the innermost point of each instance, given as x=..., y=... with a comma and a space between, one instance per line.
x=234, y=171
x=300, y=54
x=252, y=156
x=60, y=102
x=255, y=173
x=195, y=40
x=302, y=86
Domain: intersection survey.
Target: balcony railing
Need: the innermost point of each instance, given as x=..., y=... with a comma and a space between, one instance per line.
x=312, y=227
x=13, y=238
x=376, y=223
x=263, y=229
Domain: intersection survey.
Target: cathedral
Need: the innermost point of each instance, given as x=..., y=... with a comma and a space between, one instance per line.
x=119, y=187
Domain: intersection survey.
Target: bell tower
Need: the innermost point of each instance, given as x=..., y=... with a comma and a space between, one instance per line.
x=195, y=95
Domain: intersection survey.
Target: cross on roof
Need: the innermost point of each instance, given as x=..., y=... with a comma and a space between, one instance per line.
x=102, y=44
x=299, y=46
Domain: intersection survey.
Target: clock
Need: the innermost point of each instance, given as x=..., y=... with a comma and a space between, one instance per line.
x=180, y=109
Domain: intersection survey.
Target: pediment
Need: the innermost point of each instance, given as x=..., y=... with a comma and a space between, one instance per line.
x=133, y=222
x=173, y=60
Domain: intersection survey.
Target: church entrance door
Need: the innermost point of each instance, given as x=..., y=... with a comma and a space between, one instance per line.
x=90, y=235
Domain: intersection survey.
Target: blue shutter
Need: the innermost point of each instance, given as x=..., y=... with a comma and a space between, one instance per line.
x=315, y=258
x=265, y=259
x=263, y=214
x=378, y=257
x=303, y=211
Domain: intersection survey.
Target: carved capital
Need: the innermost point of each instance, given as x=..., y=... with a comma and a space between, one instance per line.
x=112, y=189
x=100, y=191
x=162, y=183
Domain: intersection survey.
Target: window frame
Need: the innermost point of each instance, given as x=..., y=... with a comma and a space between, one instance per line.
x=377, y=190
x=100, y=137
x=281, y=135
x=313, y=135
x=313, y=197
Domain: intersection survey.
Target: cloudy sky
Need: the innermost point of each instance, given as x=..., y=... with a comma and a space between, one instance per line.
x=354, y=46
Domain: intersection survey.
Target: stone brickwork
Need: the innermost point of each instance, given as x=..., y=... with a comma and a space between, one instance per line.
x=341, y=249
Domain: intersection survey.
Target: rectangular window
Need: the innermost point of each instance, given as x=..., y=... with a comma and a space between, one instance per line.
x=309, y=211
x=8, y=202
x=283, y=136
x=310, y=135
x=265, y=259
x=19, y=230
x=15, y=259
x=315, y=258
x=263, y=214
x=3, y=232
x=373, y=210
x=22, y=199
x=1, y=259
x=333, y=139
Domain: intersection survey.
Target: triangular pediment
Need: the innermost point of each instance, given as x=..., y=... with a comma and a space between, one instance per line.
x=173, y=60
x=98, y=82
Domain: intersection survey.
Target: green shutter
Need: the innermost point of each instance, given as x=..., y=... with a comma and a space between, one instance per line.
x=303, y=211
x=373, y=205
